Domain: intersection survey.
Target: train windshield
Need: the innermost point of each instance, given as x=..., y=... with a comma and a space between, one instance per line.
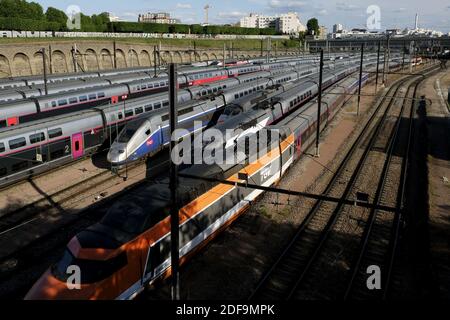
x=129, y=130
x=91, y=270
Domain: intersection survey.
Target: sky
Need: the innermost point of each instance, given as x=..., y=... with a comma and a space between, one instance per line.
x=433, y=14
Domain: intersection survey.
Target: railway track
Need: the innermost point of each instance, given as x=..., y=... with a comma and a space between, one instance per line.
x=316, y=262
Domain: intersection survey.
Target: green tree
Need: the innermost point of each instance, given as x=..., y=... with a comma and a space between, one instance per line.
x=313, y=27
x=33, y=10
x=21, y=9
x=55, y=15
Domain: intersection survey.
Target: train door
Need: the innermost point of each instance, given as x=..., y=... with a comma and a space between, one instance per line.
x=77, y=145
x=13, y=121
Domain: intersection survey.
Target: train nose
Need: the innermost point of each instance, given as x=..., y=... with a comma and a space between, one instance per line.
x=117, y=153
x=47, y=288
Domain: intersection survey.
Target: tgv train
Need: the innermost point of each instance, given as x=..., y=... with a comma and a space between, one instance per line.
x=38, y=146
x=149, y=135
x=39, y=107
x=90, y=80
x=124, y=252
x=27, y=81
x=30, y=81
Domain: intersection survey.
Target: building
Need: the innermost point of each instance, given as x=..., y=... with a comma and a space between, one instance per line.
x=288, y=23
x=160, y=17
x=338, y=28
x=323, y=32
x=257, y=21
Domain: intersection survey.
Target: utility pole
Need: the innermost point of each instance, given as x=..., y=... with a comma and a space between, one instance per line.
x=386, y=60
x=154, y=61
x=50, y=59
x=74, y=57
x=319, y=103
x=45, y=71
x=262, y=48
x=224, y=50
x=360, y=79
x=404, y=52
x=174, y=214
x=115, y=54
x=410, y=57
x=378, y=66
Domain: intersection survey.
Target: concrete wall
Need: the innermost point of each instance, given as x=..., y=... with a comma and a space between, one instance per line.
x=26, y=58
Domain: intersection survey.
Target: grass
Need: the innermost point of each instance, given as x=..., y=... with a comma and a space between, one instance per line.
x=240, y=44
x=263, y=211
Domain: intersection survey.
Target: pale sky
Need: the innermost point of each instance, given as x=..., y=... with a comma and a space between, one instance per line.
x=433, y=14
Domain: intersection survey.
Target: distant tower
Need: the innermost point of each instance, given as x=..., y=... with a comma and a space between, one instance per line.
x=416, y=25
x=206, y=14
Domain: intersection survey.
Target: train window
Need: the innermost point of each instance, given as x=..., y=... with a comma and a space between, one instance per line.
x=53, y=133
x=144, y=86
x=38, y=137
x=101, y=95
x=92, y=270
x=148, y=108
x=156, y=85
x=3, y=172
x=162, y=84
x=236, y=96
x=83, y=98
x=92, y=96
x=165, y=117
x=17, y=143
x=2, y=147
x=53, y=104
x=139, y=110
x=120, y=116
x=148, y=132
x=150, y=86
x=73, y=100
x=18, y=166
x=128, y=113
x=241, y=94
x=77, y=145
x=184, y=111
x=2, y=123
x=62, y=102
x=165, y=103
x=157, y=105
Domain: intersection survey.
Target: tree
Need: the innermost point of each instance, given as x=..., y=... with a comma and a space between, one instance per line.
x=33, y=10
x=313, y=27
x=55, y=15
